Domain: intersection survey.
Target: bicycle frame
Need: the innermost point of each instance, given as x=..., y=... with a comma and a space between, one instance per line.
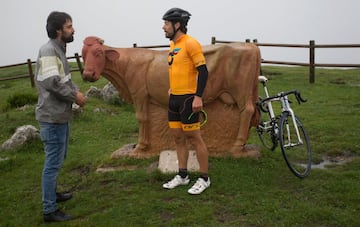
x=285, y=107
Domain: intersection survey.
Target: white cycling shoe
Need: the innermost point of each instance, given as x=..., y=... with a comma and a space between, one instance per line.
x=199, y=186
x=176, y=181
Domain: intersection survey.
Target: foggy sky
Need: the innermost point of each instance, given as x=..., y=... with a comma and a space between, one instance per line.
x=121, y=23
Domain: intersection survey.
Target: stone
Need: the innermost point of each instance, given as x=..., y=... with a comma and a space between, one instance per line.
x=94, y=92
x=168, y=162
x=110, y=94
x=22, y=134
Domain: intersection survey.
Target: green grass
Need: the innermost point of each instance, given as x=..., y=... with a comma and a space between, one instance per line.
x=244, y=192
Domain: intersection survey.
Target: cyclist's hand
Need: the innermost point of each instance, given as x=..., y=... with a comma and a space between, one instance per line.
x=197, y=104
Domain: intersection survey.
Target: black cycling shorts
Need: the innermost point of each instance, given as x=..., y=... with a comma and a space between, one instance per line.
x=180, y=113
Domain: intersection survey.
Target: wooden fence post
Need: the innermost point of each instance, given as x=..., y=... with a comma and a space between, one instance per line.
x=79, y=63
x=31, y=74
x=312, y=62
x=255, y=41
x=213, y=40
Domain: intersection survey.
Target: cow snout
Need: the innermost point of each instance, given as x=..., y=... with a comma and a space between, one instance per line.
x=89, y=76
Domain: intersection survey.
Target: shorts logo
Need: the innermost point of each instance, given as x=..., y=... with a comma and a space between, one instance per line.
x=191, y=127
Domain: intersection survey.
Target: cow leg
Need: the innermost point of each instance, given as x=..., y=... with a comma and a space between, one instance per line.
x=244, y=125
x=239, y=148
x=143, y=140
x=142, y=115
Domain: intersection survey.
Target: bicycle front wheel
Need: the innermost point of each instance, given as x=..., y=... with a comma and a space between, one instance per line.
x=295, y=145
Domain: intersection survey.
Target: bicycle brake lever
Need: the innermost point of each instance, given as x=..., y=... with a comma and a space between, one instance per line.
x=299, y=98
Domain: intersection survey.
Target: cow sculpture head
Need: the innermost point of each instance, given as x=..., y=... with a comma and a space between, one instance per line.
x=95, y=55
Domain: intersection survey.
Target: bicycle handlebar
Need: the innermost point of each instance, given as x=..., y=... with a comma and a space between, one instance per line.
x=298, y=97
x=283, y=94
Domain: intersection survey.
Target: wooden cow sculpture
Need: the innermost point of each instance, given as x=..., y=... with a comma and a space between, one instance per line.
x=141, y=77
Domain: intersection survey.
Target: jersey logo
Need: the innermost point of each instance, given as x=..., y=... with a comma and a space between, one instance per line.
x=172, y=54
x=176, y=51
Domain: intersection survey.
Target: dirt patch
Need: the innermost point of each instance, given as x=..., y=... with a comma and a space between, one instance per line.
x=103, y=169
x=83, y=170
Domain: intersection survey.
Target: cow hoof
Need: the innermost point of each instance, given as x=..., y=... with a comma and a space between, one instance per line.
x=132, y=150
x=248, y=150
x=125, y=150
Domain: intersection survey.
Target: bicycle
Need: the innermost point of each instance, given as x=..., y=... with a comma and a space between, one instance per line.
x=286, y=129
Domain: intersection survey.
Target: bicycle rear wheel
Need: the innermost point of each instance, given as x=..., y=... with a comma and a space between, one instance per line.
x=266, y=127
x=267, y=135
x=296, y=151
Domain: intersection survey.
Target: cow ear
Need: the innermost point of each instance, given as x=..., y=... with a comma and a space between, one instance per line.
x=90, y=40
x=112, y=54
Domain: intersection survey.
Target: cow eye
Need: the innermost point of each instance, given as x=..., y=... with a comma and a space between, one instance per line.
x=97, y=52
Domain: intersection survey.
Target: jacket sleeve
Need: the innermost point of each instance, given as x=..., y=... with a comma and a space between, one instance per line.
x=52, y=78
x=62, y=91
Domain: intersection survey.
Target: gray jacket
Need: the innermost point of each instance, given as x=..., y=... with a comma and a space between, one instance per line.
x=56, y=91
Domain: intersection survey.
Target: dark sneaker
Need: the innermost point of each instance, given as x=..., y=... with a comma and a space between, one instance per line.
x=61, y=197
x=57, y=216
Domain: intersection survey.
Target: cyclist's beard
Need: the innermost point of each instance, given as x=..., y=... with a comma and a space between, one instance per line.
x=170, y=35
x=67, y=39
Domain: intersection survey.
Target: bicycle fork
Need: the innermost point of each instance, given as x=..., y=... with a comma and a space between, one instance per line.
x=286, y=108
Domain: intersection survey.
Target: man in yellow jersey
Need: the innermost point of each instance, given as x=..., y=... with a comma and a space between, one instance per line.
x=188, y=75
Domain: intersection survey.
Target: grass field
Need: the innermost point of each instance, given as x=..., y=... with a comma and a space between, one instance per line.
x=244, y=192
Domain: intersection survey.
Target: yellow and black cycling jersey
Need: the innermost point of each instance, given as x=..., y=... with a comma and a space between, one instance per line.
x=184, y=57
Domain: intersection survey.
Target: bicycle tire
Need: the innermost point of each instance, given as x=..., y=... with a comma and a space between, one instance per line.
x=267, y=134
x=297, y=155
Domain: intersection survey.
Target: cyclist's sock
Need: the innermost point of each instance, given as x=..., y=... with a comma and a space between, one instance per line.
x=183, y=173
x=204, y=176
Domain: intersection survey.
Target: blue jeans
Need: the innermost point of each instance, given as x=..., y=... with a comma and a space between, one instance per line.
x=56, y=139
